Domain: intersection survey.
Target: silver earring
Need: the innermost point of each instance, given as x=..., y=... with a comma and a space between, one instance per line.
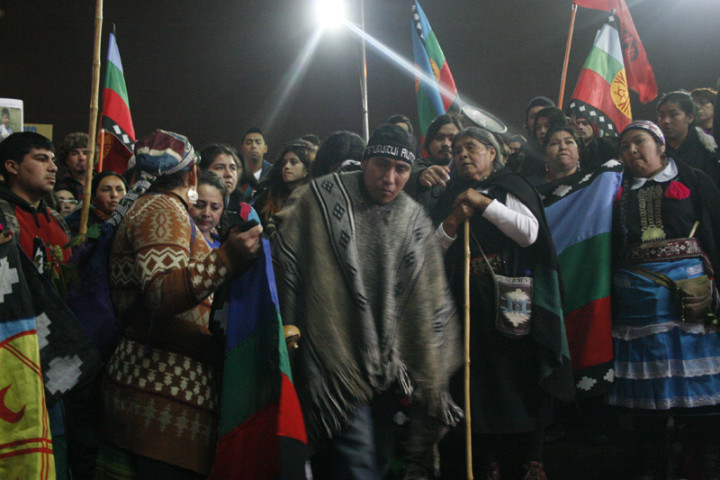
x=192, y=195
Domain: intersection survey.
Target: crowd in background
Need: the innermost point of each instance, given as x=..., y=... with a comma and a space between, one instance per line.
x=643, y=205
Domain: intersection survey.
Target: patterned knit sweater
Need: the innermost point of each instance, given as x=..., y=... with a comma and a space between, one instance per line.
x=159, y=392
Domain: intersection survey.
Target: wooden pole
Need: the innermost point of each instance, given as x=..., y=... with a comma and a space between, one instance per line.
x=468, y=422
x=92, y=131
x=101, y=150
x=561, y=97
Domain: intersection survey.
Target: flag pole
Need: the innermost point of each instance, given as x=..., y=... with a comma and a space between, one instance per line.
x=363, y=78
x=567, y=57
x=468, y=423
x=92, y=133
x=101, y=150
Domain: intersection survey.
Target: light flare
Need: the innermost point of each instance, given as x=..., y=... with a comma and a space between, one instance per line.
x=291, y=79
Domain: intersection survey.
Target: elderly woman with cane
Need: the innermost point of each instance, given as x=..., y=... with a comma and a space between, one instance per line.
x=518, y=350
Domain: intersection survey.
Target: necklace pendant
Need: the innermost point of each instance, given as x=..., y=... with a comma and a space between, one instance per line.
x=652, y=233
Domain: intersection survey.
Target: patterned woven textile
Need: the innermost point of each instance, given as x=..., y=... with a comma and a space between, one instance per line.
x=664, y=250
x=25, y=444
x=159, y=392
x=172, y=397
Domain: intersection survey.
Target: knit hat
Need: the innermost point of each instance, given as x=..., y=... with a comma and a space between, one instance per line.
x=648, y=126
x=538, y=102
x=391, y=141
x=160, y=153
x=164, y=153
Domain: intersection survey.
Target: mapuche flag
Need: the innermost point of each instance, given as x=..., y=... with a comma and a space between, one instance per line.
x=433, y=97
x=26, y=449
x=115, y=121
x=601, y=93
x=579, y=213
x=640, y=74
x=262, y=431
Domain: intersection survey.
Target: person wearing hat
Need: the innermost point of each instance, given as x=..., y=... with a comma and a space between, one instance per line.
x=360, y=273
x=159, y=389
x=72, y=157
x=664, y=361
x=533, y=107
x=519, y=362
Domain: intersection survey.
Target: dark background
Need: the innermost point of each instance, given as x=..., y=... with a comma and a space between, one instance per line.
x=210, y=69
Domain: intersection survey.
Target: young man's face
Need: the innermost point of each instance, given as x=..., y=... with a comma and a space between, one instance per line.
x=76, y=161
x=440, y=148
x=584, y=128
x=530, y=120
x=253, y=148
x=6, y=120
x=34, y=176
x=385, y=178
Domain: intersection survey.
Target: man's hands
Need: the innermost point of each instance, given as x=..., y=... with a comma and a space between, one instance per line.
x=435, y=175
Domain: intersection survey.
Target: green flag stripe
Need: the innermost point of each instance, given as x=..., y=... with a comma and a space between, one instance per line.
x=282, y=350
x=115, y=80
x=257, y=377
x=426, y=110
x=433, y=49
x=586, y=271
x=603, y=64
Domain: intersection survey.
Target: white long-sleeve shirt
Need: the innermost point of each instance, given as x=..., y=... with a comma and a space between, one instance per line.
x=513, y=219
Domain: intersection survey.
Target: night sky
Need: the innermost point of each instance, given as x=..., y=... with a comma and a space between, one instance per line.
x=211, y=69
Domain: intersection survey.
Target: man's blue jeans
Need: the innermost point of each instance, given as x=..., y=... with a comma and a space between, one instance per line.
x=363, y=450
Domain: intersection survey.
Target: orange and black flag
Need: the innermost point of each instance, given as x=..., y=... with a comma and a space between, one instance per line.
x=117, y=134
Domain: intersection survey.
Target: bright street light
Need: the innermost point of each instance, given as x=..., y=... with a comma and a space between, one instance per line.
x=330, y=13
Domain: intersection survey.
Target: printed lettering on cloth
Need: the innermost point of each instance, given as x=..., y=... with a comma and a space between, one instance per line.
x=262, y=431
x=25, y=443
x=434, y=96
x=579, y=213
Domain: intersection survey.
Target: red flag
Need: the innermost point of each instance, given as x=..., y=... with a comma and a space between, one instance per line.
x=116, y=134
x=601, y=94
x=640, y=74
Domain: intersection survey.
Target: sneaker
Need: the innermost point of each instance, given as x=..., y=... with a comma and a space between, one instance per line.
x=535, y=471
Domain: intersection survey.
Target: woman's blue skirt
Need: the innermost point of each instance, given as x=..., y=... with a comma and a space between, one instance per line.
x=661, y=362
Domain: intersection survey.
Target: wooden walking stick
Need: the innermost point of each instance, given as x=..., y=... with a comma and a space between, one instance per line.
x=468, y=423
x=92, y=131
x=561, y=97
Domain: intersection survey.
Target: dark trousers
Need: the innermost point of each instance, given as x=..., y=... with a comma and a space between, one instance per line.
x=363, y=450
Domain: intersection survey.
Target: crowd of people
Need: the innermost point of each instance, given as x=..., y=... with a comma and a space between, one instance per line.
x=589, y=288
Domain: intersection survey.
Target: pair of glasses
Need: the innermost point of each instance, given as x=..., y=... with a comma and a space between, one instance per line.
x=67, y=201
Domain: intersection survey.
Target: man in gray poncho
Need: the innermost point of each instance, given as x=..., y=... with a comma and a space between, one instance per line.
x=361, y=274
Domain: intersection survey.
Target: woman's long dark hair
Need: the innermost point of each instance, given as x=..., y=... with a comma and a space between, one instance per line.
x=272, y=199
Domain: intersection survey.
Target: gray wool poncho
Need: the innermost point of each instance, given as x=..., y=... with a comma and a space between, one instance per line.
x=366, y=285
